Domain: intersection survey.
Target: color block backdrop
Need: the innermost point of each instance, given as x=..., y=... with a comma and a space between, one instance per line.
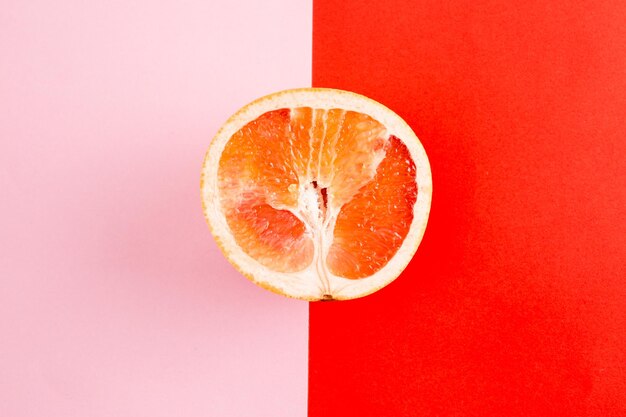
x=515, y=303
x=115, y=301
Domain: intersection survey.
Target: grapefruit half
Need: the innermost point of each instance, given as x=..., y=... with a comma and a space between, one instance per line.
x=317, y=194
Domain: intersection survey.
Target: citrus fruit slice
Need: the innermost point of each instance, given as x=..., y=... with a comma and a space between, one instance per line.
x=317, y=194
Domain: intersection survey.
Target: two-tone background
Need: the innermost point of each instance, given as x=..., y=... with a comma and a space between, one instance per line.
x=114, y=300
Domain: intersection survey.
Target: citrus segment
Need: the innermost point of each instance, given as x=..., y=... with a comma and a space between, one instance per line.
x=298, y=138
x=371, y=227
x=275, y=238
x=256, y=174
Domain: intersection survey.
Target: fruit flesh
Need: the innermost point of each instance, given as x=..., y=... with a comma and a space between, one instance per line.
x=372, y=225
x=312, y=186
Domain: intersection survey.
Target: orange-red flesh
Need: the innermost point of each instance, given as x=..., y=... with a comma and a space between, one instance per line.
x=359, y=173
x=371, y=227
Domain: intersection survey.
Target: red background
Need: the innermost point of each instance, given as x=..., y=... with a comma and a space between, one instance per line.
x=515, y=303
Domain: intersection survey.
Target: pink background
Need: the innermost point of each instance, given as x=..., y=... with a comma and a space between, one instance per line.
x=114, y=300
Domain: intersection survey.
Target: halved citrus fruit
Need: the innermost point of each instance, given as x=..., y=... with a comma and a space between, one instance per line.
x=317, y=194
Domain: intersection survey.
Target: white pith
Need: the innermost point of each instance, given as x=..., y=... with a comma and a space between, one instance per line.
x=316, y=282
